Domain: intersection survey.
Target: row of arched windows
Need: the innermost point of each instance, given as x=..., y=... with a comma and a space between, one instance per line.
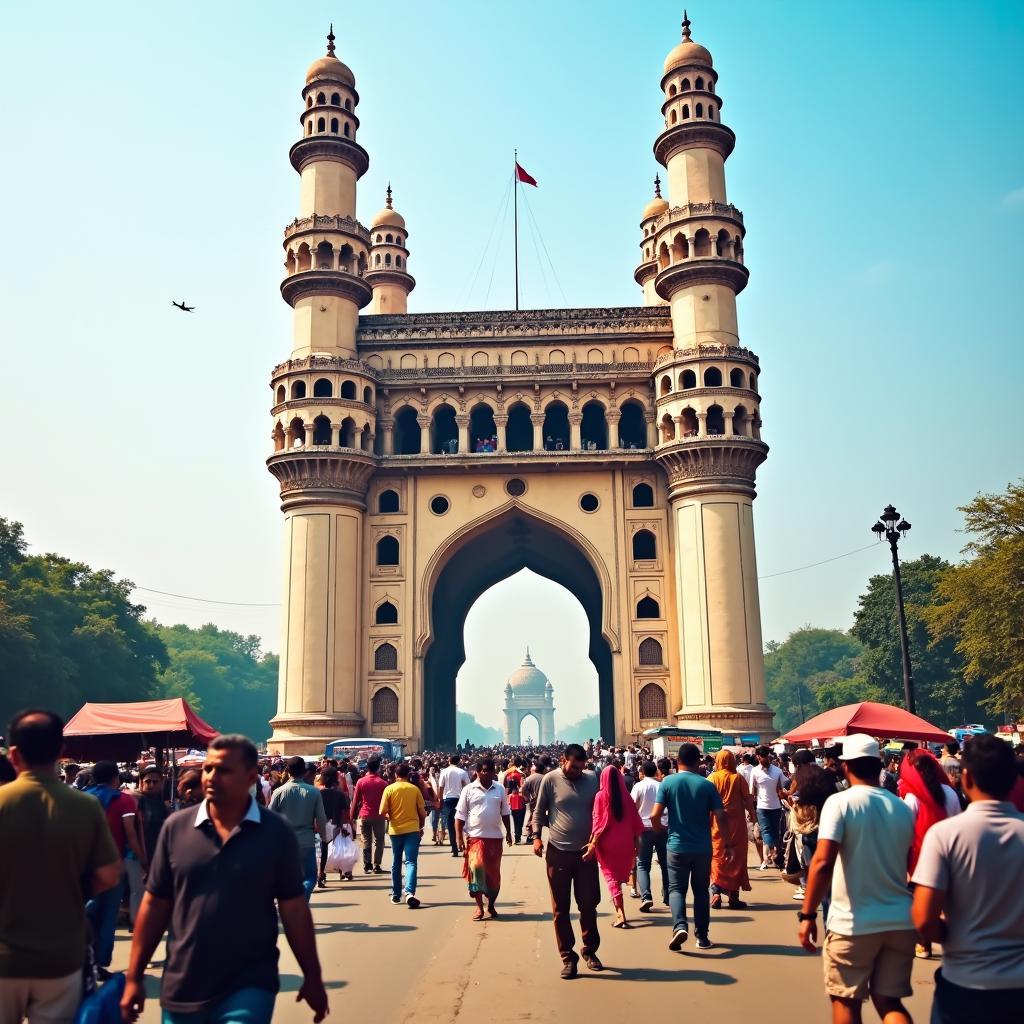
x=324, y=257
x=700, y=85
x=703, y=245
x=388, y=239
x=348, y=436
x=698, y=113
x=321, y=127
x=387, y=260
x=714, y=423
x=321, y=99
x=712, y=379
x=323, y=388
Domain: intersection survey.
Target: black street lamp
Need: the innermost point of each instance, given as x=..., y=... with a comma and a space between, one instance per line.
x=893, y=526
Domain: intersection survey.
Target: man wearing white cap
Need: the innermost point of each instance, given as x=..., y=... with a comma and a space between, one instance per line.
x=864, y=837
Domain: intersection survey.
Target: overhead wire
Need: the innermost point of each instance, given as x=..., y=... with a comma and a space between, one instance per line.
x=501, y=233
x=533, y=220
x=824, y=561
x=503, y=205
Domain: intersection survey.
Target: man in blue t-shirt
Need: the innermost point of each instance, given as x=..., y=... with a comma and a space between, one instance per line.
x=689, y=800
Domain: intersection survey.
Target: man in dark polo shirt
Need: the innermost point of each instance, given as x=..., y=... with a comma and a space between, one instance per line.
x=215, y=876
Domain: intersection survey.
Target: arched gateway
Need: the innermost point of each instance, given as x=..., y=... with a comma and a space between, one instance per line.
x=423, y=458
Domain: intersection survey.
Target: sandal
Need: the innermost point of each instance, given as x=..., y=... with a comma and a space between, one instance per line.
x=622, y=924
x=716, y=901
x=478, y=915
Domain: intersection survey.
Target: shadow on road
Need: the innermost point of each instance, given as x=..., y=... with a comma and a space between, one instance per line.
x=661, y=974
x=293, y=982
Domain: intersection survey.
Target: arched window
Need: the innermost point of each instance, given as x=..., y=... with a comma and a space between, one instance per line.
x=688, y=379
x=348, y=104
x=648, y=608
x=296, y=436
x=384, y=707
x=723, y=244
x=716, y=421
x=556, y=427
x=736, y=377
x=686, y=85
x=281, y=394
x=379, y=238
x=702, y=239
x=737, y=249
x=321, y=124
x=594, y=427
x=711, y=85
x=711, y=112
x=334, y=126
x=699, y=84
x=309, y=127
x=366, y=438
x=444, y=431
x=398, y=261
x=652, y=702
x=753, y=383
x=632, y=426
x=385, y=658
x=643, y=496
x=348, y=389
x=376, y=260
x=385, y=615
x=712, y=377
x=650, y=652
x=407, y=440
x=686, y=111
x=335, y=99
x=387, y=502
x=348, y=435
x=740, y=420
x=389, y=238
x=322, y=388
x=278, y=438
x=672, y=117
x=387, y=259
x=668, y=428
x=645, y=547
x=680, y=248
x=689, y=423
x=699, y=110
x=666, y=385
x=321, y=430
x=348, y=129
x=298, y=389
x=672, y=89
x=519, y=429
x=368, y=395
x=309, y=101
x=663, y=257
x=387, y=551
x=483, y=432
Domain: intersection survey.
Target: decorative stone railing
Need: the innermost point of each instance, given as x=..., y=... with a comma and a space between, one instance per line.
x=327, y=222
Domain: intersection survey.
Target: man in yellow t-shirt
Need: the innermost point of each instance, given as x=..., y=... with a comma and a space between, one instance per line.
x=402, y=804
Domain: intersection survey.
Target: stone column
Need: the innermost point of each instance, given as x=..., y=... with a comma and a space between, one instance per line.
x=423, y=422
x=537, y=419
x=500, y=423
x=702, y=424
x=575, y=442
x=308, y=428
x=651, y=418
x=612, y=417
x=387, y=429
x=462, y=422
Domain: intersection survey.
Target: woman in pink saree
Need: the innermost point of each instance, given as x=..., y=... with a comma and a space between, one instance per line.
x=615, y=836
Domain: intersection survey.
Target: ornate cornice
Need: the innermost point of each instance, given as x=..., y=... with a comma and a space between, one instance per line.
x=701, y=270
x=645, y=271
x=327, y=222
x=326, y=282
x=329, y=147
x=310, y=477
x=693, y=135
x=388, y=275
x=706, y=350
x=711, y=463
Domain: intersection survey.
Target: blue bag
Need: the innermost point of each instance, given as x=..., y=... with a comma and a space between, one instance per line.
x=103, y=1005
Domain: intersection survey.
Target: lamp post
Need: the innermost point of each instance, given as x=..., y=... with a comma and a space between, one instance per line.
x=893, y=526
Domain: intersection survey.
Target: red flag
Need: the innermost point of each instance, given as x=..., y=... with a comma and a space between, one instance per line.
x=522, y=176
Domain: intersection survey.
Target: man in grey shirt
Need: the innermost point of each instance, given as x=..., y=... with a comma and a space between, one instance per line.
x=565, y=806
x=302, y=805
x=968, y=896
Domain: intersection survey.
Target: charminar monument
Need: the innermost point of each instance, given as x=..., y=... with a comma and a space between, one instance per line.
x=424, y=457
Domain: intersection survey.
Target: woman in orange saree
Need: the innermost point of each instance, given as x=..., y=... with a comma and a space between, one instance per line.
x=729, y=875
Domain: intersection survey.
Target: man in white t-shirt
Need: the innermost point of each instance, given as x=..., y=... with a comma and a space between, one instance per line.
x=968, y=896
x=864, y=837
x=767, y=785
x=481, y=812
x=652, y=841
x=450, y=784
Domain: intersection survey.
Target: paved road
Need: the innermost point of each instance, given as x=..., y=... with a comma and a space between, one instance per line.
x=390, y=964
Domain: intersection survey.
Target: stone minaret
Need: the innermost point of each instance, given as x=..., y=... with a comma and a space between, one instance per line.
x=325, y=422
x=389, y=261
x=708, y=404
x=654, y=214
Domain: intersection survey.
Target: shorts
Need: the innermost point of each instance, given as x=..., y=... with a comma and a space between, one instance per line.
x=877, y=964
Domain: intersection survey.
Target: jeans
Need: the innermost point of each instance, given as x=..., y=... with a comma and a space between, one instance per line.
x=518, y=817
x=136, y=887
x=568, y=871
x=809, y=845
x=372, y=830
x=435, y=817
x=690, y=870
x=246, y=1006
x=954, y=1004
x=450, y=803
x=101, y=912
x=771, y=827
x=651, y=843
x=406, y=846
x=309, y=871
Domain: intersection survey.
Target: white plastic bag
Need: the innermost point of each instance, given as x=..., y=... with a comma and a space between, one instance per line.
x=342, y=853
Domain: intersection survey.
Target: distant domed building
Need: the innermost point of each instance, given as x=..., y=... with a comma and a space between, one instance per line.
x=529, y=692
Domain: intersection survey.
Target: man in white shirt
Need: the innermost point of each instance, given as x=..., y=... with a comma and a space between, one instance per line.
x=766, y=785
x=450, y=784
x=864, y=837
x=481, y=811
x=968, y=896
x=645, y=796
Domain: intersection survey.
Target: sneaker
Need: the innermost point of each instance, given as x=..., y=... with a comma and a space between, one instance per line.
x=411, y=902
x=378, y=870
x=395, y=899
x=634, y=894
x=678, y=938
x=799, y=893
x=367, y=870
x=703, y=942
x=764, y=866
x=646, y=906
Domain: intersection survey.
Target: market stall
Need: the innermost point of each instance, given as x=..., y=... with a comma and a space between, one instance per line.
x=881, y=720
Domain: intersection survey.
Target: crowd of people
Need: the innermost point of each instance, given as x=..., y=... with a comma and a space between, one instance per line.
x=902, y=855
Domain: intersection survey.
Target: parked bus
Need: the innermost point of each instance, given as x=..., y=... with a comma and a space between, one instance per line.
x=361, y=748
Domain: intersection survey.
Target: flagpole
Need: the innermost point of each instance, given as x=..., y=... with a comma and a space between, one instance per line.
x=515, y=215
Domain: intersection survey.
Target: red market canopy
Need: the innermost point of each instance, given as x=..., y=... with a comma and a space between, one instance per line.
x=120, y=731
x=881, y=720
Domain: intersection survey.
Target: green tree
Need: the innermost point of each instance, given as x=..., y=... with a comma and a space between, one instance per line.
x=943, y=695
x=795, y=669
x=223, y=675
x=979, y=604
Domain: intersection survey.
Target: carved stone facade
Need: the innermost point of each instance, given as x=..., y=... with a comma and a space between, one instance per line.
x=424, y=457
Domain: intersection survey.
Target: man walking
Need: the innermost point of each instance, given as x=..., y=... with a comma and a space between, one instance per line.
x=402, y=804
x=55, y=846
x=968, y=896
x=767, y=785
x=215, y=878
x=652, y=841
x=482, y=809
x=152, y=813
x=565, y=805
x=864, y=837
x=450, y=784
x=690, y=801
x=366, y=808
x=301, y=804
x=531, y=786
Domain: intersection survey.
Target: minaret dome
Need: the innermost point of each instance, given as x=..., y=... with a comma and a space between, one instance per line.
x=388, y=272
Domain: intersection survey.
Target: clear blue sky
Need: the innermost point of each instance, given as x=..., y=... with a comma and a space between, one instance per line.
x=879, y=165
